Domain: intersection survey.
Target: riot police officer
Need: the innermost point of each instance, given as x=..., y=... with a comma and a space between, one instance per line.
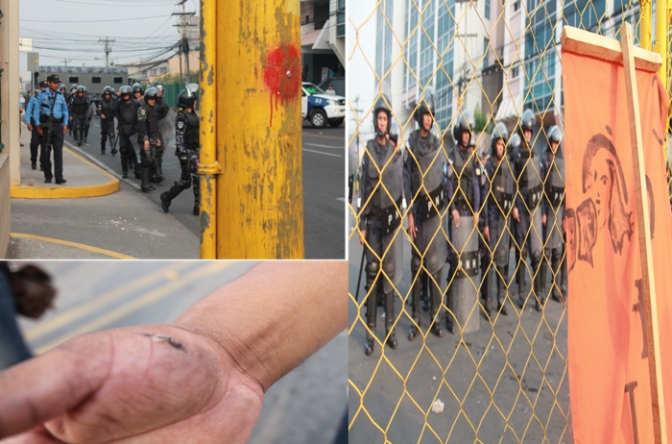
x=424, y=168
x=31, y=124
x=138, y=92
x=464, y=215
x=498, y=207
x=51, y=112
x=149, y=136
x=186, y=149
x=108, y=109
x=127, y=119
x=554, y=212
x=68, y=101
x=382, y=188
x=79, y=107
x=157, y=169
x=527, y=170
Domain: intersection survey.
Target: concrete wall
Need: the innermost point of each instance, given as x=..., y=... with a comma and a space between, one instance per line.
x=9, y=158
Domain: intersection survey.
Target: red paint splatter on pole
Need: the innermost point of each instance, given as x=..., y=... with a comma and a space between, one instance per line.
x=282, y=74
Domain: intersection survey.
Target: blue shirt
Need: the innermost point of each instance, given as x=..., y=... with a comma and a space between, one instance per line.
x=30, y=109
x=44, y=104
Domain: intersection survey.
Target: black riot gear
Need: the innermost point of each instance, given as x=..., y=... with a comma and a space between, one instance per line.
x=382, y=105
x=527, y=121
x=81, y=89
x=158, y=85
x=126, y=90
x=426, y=106
x=554, y=135
x=464, y=123
x=498, y=132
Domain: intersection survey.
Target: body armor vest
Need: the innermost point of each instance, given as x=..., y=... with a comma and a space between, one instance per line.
x=555, y=184
x=151, y=119
x=80, y=105
x=391, y=181
x=432, y=197
x=191, y=132
x=462, y=186
x=107, y=108
x=529, y=177
x=128, y=113
x=503, y=187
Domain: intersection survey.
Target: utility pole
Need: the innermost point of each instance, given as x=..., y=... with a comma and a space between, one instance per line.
x=183, y=24
x=108, y=49
x=65, y=61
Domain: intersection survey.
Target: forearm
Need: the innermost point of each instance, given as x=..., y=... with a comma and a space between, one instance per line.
x=275, y=316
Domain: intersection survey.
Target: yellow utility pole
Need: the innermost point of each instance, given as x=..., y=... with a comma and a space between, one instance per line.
x=645, y=23
x=661, y=37
x=251, y=128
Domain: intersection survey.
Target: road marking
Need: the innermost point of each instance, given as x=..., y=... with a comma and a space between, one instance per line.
x=323, y=136
x=87, y=308
x=150, y=298
x=103, y=166
x=342, y=199
x=325, y=146
x=320, y=152
x=89, y=248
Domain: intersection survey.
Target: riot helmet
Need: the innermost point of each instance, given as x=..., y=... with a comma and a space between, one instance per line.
x=514, y=141
x=151, y=93
x=137, y=88
x=81, y=89
x=158, y=85
x=464, y=123
x=125, y=90
x=426, y=106
x=554, y=136
x=62, y=88
x=498, y=132
x=527, y=121
x=188, y=96
x=382, y=105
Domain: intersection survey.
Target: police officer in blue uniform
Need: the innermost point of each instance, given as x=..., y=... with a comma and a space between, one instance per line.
x=31, y=124
x=52, y=114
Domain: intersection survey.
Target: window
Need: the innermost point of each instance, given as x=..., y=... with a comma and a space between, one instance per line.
x=118, y=80
x=95, y=79
x=486, y=44
x=73, y=79
x=514, y=72
x=487, y=9
x=516, y=6
x=340, y=19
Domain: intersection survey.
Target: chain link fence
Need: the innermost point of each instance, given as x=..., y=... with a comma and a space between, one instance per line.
x=459, y=333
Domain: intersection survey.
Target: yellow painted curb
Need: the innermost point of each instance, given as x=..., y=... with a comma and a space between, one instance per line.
x=73, y=245
x=60, y=192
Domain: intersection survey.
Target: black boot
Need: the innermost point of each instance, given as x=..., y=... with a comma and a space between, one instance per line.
x=371, y=306
x=539, y=266
x=485, y=285
x=124, y=167
x=168, y=196
x=197, y=196
x=502, y=279
x=520, y=277
x=389, y=320
x=435, y=303
x=146, y=187
x=557, y=277
x=86, y=133
x=159, y=166
x=415, y=299
x=102, y=144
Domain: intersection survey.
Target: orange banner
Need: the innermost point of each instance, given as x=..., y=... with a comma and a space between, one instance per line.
x=608, y=357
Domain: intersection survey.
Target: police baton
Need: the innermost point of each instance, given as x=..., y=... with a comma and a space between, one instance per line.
x=359, y=279
x=114, y=147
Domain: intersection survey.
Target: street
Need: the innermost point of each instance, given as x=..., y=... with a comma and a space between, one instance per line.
x=323, y=186
x=305, y=406
x=504, y=383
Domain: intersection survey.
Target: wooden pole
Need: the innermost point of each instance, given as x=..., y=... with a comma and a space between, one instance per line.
x=644, y=237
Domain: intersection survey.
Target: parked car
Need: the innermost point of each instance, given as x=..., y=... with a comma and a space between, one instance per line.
x=338, y=82
x=321, y=108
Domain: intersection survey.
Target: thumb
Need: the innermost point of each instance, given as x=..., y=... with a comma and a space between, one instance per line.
x=32, y=396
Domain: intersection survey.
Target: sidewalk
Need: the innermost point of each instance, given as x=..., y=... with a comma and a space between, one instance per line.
x=51, y=221
x=84, y=179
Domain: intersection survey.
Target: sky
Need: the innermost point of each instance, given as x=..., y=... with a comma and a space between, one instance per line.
x=71, y=29
x=360, y=78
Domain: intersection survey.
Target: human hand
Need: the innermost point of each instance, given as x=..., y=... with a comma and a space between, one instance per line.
x=117, y=131
x=456, y=218
x=158, y=142
x=516, y=215
x=412, y=229
x=102, y=116
x=362, y=237
x=486, y=233
x=30, y=127
x=131, y=385
x=146, y=144
x=40, y=131
x=65, y=130
x=543, y=219
x=476, y=219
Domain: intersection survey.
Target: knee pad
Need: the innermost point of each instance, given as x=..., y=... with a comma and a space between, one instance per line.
x=556, y=255
x=415, y=264
x=536, y=257
x=124, y=150
x=372, y=270
x=185, y=184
